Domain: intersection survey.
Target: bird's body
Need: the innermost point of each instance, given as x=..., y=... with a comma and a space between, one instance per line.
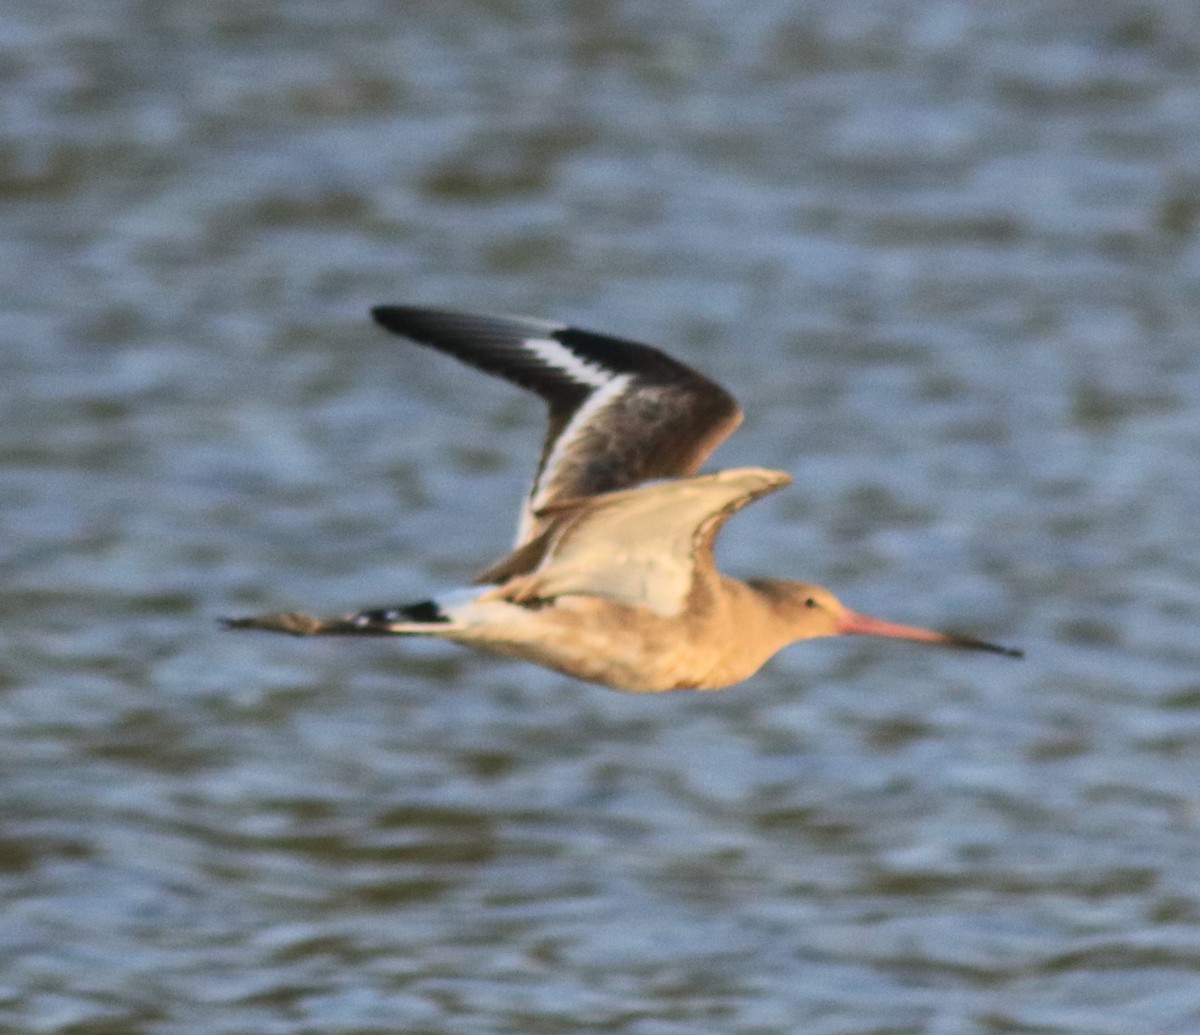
x=611, y=578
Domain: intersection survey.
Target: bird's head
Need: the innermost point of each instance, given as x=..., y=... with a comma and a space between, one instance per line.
x=814, y=611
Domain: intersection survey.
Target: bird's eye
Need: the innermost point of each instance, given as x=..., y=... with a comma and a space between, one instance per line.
x=810, y=602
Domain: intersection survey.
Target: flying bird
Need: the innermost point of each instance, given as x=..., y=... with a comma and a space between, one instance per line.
x=611, y=577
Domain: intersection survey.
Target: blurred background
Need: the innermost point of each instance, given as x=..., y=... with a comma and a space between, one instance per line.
x=944, y=253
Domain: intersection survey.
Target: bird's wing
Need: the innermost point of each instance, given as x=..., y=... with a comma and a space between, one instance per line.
x=642, y=546
x=620, y=413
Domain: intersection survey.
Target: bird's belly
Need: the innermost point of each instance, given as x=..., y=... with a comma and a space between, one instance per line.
x=628, y=648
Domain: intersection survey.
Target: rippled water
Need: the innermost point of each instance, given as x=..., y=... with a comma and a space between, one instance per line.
x=945, y=254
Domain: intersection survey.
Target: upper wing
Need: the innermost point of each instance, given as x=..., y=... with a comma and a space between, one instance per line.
x=641, y=546
x=620, y=412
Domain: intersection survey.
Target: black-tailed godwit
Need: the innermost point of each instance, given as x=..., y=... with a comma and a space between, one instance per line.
x=611, y=577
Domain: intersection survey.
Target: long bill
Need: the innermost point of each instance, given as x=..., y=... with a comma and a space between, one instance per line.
x=853, y=623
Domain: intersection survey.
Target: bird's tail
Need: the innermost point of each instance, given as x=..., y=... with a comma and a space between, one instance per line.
x=438, y=616
x=385, y=621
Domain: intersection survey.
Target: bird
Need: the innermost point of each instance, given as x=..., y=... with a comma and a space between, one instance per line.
x=611, y=577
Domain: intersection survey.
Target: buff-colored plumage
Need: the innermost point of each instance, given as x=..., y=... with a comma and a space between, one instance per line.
x=611, y=577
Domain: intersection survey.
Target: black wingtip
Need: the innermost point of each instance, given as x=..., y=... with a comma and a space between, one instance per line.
x=425, y=611
x=422, y=611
